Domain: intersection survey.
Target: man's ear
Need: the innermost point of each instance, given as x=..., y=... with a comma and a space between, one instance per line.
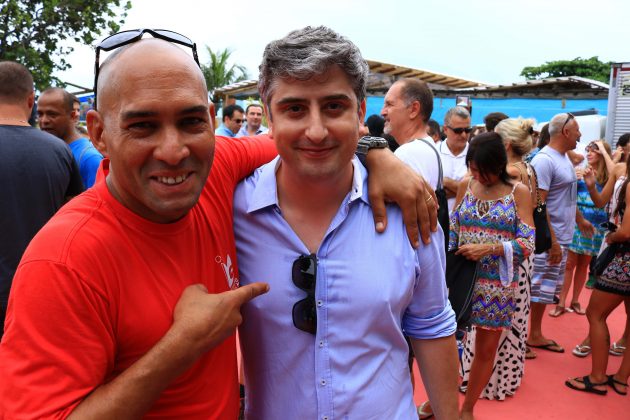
x=269, y=121
x=415, y=110
x=30, y=101
x=95, y=129
x=362, y=110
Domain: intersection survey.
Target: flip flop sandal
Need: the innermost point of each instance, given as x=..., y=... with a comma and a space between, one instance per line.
x=613, y=383
x=422, y=414
x=557, y=311
x=551, y=346
x=581, y=350
x=575, y=307
x=616, y=349
x=588, y=385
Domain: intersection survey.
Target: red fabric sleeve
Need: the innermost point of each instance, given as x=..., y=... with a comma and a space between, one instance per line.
x=239, y=156
x=60, y=344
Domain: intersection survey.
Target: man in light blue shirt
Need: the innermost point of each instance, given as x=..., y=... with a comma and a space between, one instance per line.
x=253, y=117
x=232, y=121
x=328, y=341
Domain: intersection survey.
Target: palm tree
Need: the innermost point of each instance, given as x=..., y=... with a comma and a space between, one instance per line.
x=218, y=72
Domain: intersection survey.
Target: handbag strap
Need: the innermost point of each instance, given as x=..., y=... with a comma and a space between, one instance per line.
x=437, y=155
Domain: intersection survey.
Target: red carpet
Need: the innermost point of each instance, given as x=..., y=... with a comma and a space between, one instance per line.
x=542, y=394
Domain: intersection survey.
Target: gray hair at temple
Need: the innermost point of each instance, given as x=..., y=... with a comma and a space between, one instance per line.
x=308, y=52
x=459, y=111
x=556, y=123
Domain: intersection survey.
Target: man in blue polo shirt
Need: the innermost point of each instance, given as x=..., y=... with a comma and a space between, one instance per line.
x=57, y=116
x=328, y=340
x=232, y=121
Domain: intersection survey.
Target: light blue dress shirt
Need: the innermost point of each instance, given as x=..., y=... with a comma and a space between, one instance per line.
x=243, y=131
x=224, y=131
x=370, y=288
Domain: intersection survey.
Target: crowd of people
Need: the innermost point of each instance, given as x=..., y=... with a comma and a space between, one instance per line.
x=132, y=255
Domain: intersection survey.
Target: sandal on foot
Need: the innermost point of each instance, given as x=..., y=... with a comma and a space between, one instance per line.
x=617, y=349
x=581, y=350
x=588, y=385
x=575, y=307
x=557, y=311
x=550, y=346
x=613, y=383
x=423, y=412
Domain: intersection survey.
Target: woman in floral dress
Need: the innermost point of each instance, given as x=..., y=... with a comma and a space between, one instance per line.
x=492, y=224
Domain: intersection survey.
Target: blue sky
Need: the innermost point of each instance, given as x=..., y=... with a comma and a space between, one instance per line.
x=483, y=40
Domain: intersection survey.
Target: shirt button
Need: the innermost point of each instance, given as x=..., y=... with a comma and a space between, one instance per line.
x=323, y=382
x=325, y=418
x=320, y=303
x=321, y=344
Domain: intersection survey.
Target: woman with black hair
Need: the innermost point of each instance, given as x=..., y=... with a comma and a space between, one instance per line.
x=492, y=224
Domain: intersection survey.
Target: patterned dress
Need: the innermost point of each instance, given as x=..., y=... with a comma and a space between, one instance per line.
x=581, y=244
x=477, y=221
x=510, y=357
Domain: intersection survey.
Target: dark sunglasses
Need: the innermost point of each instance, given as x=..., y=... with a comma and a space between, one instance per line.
x=128, y=37
x=460, y=130
x=304, y=275
x=237, y=120
x=569, y=118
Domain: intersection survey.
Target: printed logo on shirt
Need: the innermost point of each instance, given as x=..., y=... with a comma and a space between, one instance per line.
x=228, y=270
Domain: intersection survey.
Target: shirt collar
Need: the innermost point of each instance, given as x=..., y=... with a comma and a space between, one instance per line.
x=446, y=151
x=265, y=192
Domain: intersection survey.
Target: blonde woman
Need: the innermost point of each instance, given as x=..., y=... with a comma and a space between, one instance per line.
x=584, y=247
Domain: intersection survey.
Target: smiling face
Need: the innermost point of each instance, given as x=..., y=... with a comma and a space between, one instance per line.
x=395, y=111
x=315, y=124
x=160, y=151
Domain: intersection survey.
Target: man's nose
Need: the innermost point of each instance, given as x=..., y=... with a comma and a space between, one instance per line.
x=172, y=147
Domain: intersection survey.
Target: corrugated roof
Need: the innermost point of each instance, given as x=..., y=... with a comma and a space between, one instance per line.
x=382, y=75
x=549, y=87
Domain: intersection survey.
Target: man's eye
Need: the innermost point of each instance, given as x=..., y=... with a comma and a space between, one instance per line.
x=143, y=125
x=295, y=108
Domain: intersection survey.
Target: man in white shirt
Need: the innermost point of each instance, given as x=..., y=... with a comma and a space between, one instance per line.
x=407, y=109
x=453, y=150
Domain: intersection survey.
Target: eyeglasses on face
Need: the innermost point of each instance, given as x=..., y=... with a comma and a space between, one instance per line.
x=123, y=38
x=237, y=120
x=460, y=130
x=304, y=275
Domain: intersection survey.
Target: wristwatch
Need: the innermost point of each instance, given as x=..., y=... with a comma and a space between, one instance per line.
x=369, y=142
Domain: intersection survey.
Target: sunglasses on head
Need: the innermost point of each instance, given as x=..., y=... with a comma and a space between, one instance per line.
x=123, y=38
x=461, y=130
x=569, y=118
x=592, y=147
x=304, y=274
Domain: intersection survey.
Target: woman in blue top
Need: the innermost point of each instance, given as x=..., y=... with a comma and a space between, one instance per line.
x=584, y=247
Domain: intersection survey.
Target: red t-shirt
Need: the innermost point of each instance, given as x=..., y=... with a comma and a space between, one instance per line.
x=96, y=288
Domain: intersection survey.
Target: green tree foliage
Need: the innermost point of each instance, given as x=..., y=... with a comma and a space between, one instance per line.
x=33, y=32
x=219, y=72
x=590, y=68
